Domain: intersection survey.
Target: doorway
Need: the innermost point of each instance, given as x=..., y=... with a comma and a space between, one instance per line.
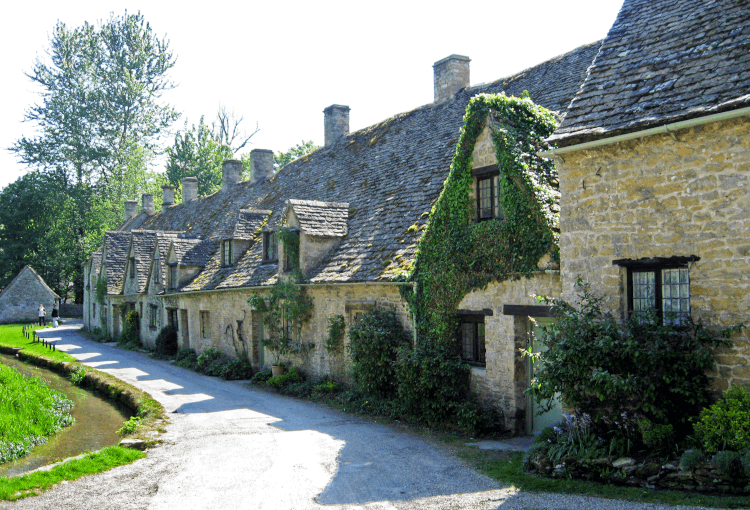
x=184, y=330
x=535, y=421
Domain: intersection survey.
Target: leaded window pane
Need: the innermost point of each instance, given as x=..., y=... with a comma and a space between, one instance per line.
x=644, y=291
x=485, y=198
x=675, y=295
x=467, y=341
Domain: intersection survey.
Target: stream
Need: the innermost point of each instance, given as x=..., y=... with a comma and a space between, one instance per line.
x=96, y=423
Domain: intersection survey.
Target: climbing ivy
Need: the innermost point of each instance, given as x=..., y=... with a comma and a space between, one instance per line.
x=456, y=255
x=290, y=239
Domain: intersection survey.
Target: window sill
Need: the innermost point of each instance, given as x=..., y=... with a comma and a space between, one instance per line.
x=270, y=261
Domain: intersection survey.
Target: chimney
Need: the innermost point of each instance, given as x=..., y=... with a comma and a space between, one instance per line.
x=261, y=165
x=131, y=209
x=167, y=196
x=189, y=189
x=231, y=173
x=336, y=123
x=451, y=75
x=147, y=204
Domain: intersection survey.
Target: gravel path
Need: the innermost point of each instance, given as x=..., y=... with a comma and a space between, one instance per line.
x=232, y=447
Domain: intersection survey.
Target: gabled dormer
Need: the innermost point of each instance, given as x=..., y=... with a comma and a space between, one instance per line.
x=185, y=259
x=236, y=241
x=315, y=228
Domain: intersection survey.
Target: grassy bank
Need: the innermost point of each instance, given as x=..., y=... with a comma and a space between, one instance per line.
x=150, y=414
x=30, y=412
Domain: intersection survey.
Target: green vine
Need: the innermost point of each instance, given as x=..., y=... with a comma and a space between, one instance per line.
x=290, y=239
x=336, y=330
x=456, y=255
x=287, y=304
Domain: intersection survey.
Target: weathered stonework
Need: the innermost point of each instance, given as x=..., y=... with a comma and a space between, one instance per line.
x=451, y=74
x=504, y=379
x=661, y=196
x=20, y=299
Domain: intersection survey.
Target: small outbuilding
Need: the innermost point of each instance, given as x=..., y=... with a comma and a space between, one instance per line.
x=20, y=299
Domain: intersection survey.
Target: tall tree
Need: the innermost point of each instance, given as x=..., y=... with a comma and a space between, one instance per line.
x=197, y=151
x=98, y=125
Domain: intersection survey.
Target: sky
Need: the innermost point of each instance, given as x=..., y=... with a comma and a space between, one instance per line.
x=279, y=63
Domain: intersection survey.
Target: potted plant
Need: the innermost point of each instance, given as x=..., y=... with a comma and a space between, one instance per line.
x=280, y=347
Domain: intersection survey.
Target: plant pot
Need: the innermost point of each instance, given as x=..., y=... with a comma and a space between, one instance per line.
x=277, y=370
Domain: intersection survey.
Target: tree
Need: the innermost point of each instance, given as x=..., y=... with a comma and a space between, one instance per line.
x=197, y=152
x=100, y=96
x=227, y=130
x=98, y=124
x=301, y=149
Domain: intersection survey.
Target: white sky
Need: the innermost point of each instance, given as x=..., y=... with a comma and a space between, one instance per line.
x=281, y=62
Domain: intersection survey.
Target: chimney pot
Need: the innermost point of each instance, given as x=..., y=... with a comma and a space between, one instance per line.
x=261, y=165
x=167, y=195
x=231, y=173
x=147, y=203
x=189, y=189
x=336, y=123
x=451, y=75
x=131, y=209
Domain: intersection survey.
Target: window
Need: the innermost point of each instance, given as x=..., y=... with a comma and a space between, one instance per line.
x=226, y=252
x=93, y=311
x=270, y=247
x=488, y=193
x=205, y=325
x=174, y=279
x=471, y=341
x=132, y=267
x=661, y=284
x=153, y=316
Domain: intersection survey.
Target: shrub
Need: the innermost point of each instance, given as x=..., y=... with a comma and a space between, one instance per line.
x=288, y=377
x=726, y=424
x=166, y=341
x=261, y=377
x=236, y=369
x=658, y=438
x=186, y=358
x=98, y=335
x=730, y=464
x=432, y=380
x=691, y=459
x=129, y=337
x=374, y=343
x=603, y=367
x=208, y=358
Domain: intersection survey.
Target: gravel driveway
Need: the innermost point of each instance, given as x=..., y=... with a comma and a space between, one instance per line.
x=233, y=447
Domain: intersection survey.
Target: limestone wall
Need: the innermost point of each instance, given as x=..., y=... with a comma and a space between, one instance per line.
x=503, y=380
x=659, y=197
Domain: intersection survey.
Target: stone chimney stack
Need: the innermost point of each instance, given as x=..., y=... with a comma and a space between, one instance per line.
x=231, y=173
x=451, y=75
x=147, y=204
x=261, y=165
x=189, y=189
x=336, y=123
x=167, y=196
x=131, y=209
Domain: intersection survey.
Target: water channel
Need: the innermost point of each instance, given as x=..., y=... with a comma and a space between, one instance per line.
x=96, y=423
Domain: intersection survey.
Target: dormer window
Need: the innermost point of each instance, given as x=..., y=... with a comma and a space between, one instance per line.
x=174, y=278
x=291, y=253
x=226, y=252
x=488, y=193
x=132, y=267
x=270, y=247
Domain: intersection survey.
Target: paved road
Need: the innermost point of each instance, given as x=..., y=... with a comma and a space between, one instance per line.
x=232, y=447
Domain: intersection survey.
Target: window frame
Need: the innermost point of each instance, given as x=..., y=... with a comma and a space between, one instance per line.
x=172, y=319
x=205, y=324
x=131, y=263
x=153, y=316
x=227, y=253
x=491, y=174
x=174, y=277
x=270, y=240
x=657, y=266
x=289, y=263
x=479, y=342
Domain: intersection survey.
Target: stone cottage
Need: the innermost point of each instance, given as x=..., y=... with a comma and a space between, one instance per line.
x=359, y=206
x=654, y=166
x=20, y=299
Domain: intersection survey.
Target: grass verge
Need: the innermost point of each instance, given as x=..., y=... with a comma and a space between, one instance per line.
x=507, y=467
x=33, y=484
x=11, y=336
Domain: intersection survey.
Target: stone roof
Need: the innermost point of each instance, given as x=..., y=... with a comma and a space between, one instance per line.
x=663, y=62
x=24, y=275
x=385, y=178
x=194, y=252
x=116, y=244
x=321, y=218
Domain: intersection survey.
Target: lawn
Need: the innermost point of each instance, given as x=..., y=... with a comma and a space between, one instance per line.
x=12, y=336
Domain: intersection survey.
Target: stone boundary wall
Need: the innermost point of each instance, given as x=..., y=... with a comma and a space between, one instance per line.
x=71, y=310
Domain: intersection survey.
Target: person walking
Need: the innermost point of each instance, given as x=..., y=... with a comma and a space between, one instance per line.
x=42, y=314
x=55, y=315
